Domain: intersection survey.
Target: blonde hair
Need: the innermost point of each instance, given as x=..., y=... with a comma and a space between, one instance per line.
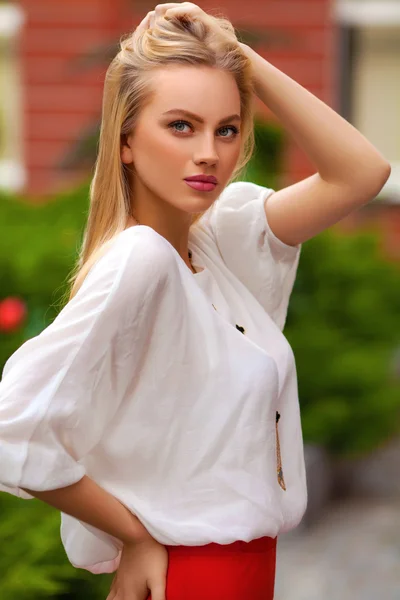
x=126, y=91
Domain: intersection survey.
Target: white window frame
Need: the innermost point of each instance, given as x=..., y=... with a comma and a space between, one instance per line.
x=12, y=170
x=367, y=12
x=377, y=13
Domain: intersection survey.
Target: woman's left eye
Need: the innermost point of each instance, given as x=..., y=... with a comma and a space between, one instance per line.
x=234, y=129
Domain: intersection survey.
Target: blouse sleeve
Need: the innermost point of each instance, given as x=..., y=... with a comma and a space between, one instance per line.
x=263, y=263
x=60, y=389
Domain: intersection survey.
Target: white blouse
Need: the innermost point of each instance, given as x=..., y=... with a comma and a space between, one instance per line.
x=145, y=383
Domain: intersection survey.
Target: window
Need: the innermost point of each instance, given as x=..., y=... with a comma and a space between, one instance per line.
x=376, y=96
x=12, y=173
x=370, y=78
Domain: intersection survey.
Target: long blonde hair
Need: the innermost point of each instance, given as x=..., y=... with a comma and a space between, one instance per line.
x=126, y=92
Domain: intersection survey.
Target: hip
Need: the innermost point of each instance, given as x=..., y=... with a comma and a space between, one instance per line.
x=238, y=571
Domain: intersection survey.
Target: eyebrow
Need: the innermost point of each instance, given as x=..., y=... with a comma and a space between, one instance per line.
x=191, y=115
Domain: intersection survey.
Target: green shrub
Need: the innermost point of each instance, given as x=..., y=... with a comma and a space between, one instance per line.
x=343, y=327
x=33, y=564
x=38, y=246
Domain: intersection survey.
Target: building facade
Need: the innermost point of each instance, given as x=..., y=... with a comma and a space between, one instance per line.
x=346, y=52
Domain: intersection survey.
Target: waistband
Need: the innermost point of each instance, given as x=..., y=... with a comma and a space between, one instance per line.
x=259, y=545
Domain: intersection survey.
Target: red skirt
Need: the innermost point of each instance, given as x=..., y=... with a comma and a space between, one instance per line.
x=238, y=571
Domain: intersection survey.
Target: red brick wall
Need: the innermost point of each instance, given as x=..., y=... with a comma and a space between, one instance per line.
x=59, y=103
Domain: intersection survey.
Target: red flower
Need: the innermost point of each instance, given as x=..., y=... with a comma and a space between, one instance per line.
x=12, y=314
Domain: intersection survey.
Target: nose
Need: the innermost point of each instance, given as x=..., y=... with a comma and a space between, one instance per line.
x=206, y=151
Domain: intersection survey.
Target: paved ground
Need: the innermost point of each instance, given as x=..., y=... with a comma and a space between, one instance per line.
x=352, y=553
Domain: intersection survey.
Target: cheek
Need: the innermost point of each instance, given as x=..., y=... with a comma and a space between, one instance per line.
x=172, y=148
x=161, y=148
x=229, y=155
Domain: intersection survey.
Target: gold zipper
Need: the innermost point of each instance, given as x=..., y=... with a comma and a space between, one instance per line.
x=281, y=480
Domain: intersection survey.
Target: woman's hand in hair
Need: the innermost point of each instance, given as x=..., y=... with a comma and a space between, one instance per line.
x=181, y=10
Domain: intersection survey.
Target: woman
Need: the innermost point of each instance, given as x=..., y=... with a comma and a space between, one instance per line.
x=159, y=411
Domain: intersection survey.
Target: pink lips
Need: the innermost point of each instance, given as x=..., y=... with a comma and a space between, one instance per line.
x=202, y=183
x=201, y=186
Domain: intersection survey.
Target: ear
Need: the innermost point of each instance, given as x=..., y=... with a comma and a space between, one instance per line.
x=126, y=153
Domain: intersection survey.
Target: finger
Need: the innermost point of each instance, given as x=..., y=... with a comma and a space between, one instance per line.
x=158, y=591
x=151, y=18
x=161, y=9
x=167, y=5
x=144, y=24
x=187, y=9
x=185, y=6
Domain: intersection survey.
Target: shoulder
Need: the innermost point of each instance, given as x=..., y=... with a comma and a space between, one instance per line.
x=239, y=203
x=238, y=210
x=243, y=196
x=132, y=268
x=145, y=239
x=138, y=251
x=238, y=192
x=237, y=228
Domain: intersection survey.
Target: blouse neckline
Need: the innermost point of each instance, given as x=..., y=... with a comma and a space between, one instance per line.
x=195, y=264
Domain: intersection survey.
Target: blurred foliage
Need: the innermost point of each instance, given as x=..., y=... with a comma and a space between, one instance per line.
x=33, y=564
x=265, y=164
x=342, y=324
x=38, y=246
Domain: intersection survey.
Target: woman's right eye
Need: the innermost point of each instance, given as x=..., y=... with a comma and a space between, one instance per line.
x=179, y=123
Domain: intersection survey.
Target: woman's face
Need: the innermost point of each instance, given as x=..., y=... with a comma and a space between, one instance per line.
x=167, y=148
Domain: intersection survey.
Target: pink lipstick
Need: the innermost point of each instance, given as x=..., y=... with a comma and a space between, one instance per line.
x=202, y=186
x=202, y=183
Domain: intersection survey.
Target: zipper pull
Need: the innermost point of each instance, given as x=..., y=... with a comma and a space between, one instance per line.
x=279, y=470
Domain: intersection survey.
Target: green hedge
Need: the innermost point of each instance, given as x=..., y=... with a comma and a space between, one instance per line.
x=38, y=247
x=343, y=327
x=33, y=564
